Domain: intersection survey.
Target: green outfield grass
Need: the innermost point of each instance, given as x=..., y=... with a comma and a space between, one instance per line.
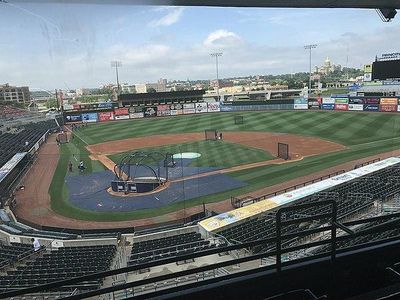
x=213, y=153
x=365, y=134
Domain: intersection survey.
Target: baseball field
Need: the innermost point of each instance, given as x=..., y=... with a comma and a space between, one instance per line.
x=317, y=141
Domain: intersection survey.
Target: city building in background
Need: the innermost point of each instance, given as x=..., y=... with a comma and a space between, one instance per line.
x=327, y=68
x=151, y=87
x=15, y=94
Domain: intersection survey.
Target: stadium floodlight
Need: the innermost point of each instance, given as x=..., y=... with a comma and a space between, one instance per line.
x=309, y=47
x=116, y=64
x=216, y=55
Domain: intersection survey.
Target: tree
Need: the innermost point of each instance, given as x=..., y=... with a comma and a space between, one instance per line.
x=151, y=90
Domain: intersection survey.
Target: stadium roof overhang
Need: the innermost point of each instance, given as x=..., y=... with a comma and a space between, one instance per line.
x=371, y=4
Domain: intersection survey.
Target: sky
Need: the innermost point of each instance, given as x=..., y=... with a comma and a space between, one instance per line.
x=53, y=45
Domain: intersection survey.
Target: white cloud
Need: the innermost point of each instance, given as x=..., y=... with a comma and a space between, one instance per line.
x=172, y=17
x=222, y=38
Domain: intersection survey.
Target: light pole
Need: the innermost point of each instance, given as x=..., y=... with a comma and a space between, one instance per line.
x=116, y=64
x=309, y=47
x=216, y=55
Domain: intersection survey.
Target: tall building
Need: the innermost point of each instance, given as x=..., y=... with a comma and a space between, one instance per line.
x=148, y=87
x=10, y=93
x=327, y=67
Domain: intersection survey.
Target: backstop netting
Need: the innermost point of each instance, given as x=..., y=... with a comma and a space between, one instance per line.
x=238, y=120
x=210, y=134
x=283, y=151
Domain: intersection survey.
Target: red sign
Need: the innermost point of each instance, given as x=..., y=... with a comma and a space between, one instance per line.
x=341, y=106
x=106, y=116
x=121, y=111
x=162, y=107
x=387, y=107
x=76, y=106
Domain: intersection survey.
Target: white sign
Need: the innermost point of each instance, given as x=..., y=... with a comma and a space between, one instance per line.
x=201, y=108
x=367, y=77
x=136, y=115
x=328, y=100
x=301, y=106
x=213, y=107
x=189, y=111
x=358, y=107
x=123, y=117
x=68, y=107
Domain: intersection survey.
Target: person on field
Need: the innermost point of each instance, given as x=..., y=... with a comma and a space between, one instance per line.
x=36, y=244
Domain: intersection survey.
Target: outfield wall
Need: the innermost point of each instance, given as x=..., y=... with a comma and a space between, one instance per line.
x=101, y=112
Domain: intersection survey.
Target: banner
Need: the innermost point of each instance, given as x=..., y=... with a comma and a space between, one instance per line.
x=301, y=106
x=367, y=77
x=371, y=107
x=121, y=112
x=89, y=117
x=328, y=106
x=387, y=108
x=74, y=118
x=176, y=106
x=371, y=101
x=76, y=106
x=389, y=101
x=213, y=107
x=136, y=115
x=105, y=105
x=313, y=104
x=341, y=107
x=341, y=100
x=176, y=112
x=122, y=117
x=105, y=116
x=188, y=108
x=356, y=101
x=201, y=107
x=328, y=100
x=135, y=109
x=150, y=112
x=163, y=110
x=358, y=107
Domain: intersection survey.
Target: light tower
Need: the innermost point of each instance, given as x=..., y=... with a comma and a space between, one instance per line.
x=309, y=47
x=116, y=64
x=216, y=55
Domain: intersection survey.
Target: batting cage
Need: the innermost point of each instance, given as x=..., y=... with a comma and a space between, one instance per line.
x=238, y=120
x=62, y=138
x=210, y=134
x=283, y=151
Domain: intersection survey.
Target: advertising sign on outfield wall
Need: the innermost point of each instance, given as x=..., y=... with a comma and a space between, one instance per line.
x=163, y=110
x=135, y=109
x=176, y=112
x=358, y=107
x=301, y=106
x=150, y=112
x=341, y=106
x=136, y=115
x=387, y=107
x=356, y=101
x=105, y=116
x=74, y=118
x=328, y=100
x=201, y=108
x=188, y=108
x=389, y=101
x=213, y=107
x=371, y=107
x=371, y=101
x=328, y=106
x=89, y=117
x=341, y=100
x=176, y=106
x=121, y=112
x=122, y=117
